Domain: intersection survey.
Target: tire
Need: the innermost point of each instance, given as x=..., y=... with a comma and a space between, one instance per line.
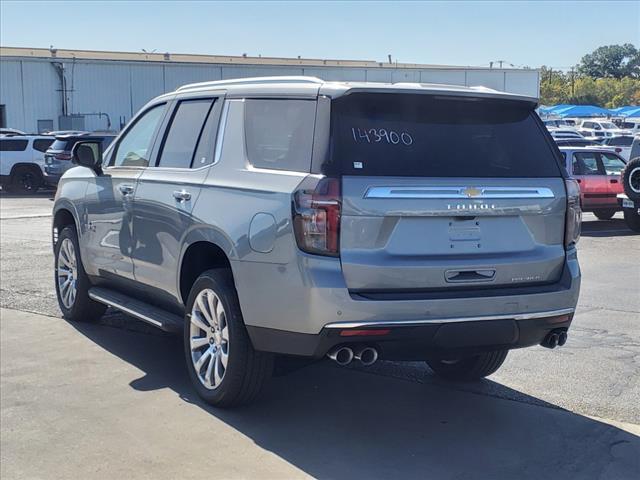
x=605, y=214
x=469, y=368
x=632, y=219
x=631, y=179
x=68, y=266
x=26, y=180
x=219, y=336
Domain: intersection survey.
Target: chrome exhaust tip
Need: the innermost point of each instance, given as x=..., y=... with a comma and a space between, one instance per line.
x=562, y=338
x=341, y=355
x=368, y=356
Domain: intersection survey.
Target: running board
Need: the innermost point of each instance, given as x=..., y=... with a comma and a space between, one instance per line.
x=142, y=311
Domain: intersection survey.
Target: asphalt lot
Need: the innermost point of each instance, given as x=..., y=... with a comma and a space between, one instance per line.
x=112, y=400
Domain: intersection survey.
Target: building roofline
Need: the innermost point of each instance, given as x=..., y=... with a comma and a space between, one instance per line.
x=46, y=53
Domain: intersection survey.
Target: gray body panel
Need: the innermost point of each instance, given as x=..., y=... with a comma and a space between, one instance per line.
x=411, y=242
x=397, y=244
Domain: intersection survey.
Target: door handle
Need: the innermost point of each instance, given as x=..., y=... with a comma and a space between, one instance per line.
x=614, y=180
x=125, y=189
x=182, y=195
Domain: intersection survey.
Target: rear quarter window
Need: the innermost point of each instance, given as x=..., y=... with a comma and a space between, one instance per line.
x=432, y=136
x=42, y=145
x=279, y=133
x=13, y=145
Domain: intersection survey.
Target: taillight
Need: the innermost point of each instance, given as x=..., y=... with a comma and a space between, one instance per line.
x=62, y=156
x=316, y=215
x=573, y=224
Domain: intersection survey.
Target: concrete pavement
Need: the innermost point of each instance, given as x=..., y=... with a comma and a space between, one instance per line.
x=81, y=400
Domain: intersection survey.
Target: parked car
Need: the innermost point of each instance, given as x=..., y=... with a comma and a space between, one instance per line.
x=620, y=145
x=10, y=132
x=58, y=156
x=345, y=199
x=575, y=142
x=601, y=128
x=22, y=162
x=597, y=170
x=632, y=124
x=557, y=133
x=557, y=123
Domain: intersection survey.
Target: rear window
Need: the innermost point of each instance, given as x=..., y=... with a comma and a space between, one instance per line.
x=41, y=145
x=61, y=145
x=13, y=145
x=621, y=141
x=432, y=136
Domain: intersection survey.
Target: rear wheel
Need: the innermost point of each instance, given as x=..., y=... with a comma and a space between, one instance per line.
x=468, y=368
x=72, y=283
x=26, y=180
x=631, y=179
x=223, y=366
x=605, y=214
x=632, y=219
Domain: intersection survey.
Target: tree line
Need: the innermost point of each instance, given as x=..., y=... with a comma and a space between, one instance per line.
x=608, y=77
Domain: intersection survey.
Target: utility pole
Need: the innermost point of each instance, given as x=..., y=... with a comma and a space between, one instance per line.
x=573, y=82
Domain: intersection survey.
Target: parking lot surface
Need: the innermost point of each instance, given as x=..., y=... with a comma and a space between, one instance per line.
x=112, y=400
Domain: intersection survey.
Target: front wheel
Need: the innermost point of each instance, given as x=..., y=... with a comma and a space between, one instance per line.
x=468, y=368
x=605, y=214
x=632, y=219
x=223, y=366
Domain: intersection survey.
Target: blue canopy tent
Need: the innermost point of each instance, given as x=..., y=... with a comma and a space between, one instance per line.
x=623, y=110
x=630, y=112
x=582, y=111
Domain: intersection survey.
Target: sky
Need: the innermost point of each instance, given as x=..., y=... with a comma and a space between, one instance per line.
x=472, y=33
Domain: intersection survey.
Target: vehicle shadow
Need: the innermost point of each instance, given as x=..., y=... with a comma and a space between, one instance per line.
x=332, y=422
x=39, y=194
x=616, y=227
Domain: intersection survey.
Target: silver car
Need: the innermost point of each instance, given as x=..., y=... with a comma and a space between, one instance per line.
x=289, y=216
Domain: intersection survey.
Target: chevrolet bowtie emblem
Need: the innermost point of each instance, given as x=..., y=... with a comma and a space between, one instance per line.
x=472, y=192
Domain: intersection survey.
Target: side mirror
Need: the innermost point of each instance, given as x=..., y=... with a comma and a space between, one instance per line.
x=87, y=154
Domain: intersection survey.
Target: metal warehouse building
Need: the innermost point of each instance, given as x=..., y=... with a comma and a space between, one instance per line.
x=49, y=89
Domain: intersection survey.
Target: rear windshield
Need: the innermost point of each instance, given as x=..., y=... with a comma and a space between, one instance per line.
x=433, y=136
x=61, y=145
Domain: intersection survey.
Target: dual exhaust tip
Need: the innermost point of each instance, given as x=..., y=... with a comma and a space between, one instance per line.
x=345, y=355
x=556, y=338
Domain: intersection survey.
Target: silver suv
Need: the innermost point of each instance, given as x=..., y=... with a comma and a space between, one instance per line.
x=289, y=216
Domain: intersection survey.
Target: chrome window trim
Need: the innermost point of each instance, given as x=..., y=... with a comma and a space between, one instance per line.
x=419, y=192
x=221, y=129
x=412, y=323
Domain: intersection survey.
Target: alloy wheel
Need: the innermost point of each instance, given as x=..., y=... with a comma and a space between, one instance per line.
x=67, y=273
x=209, y=339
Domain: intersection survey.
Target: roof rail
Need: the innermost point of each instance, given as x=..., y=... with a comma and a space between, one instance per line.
x=249, y=81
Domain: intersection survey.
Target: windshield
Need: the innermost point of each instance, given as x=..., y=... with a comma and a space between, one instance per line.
x=437, y=136
x=608, y=125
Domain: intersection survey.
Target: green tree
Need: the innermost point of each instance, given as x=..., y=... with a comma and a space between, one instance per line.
x=616, y=61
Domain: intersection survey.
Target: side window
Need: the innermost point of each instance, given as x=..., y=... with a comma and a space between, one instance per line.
x=279, y=133
x=184, y=131
x=585, y=163
x=613, y=164
x=13, y=145
x=42, y=144
x=134, y=147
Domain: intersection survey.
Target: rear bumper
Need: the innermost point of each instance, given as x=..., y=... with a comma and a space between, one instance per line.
x=417, y=341
x=51, y=179
x=302, y=311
